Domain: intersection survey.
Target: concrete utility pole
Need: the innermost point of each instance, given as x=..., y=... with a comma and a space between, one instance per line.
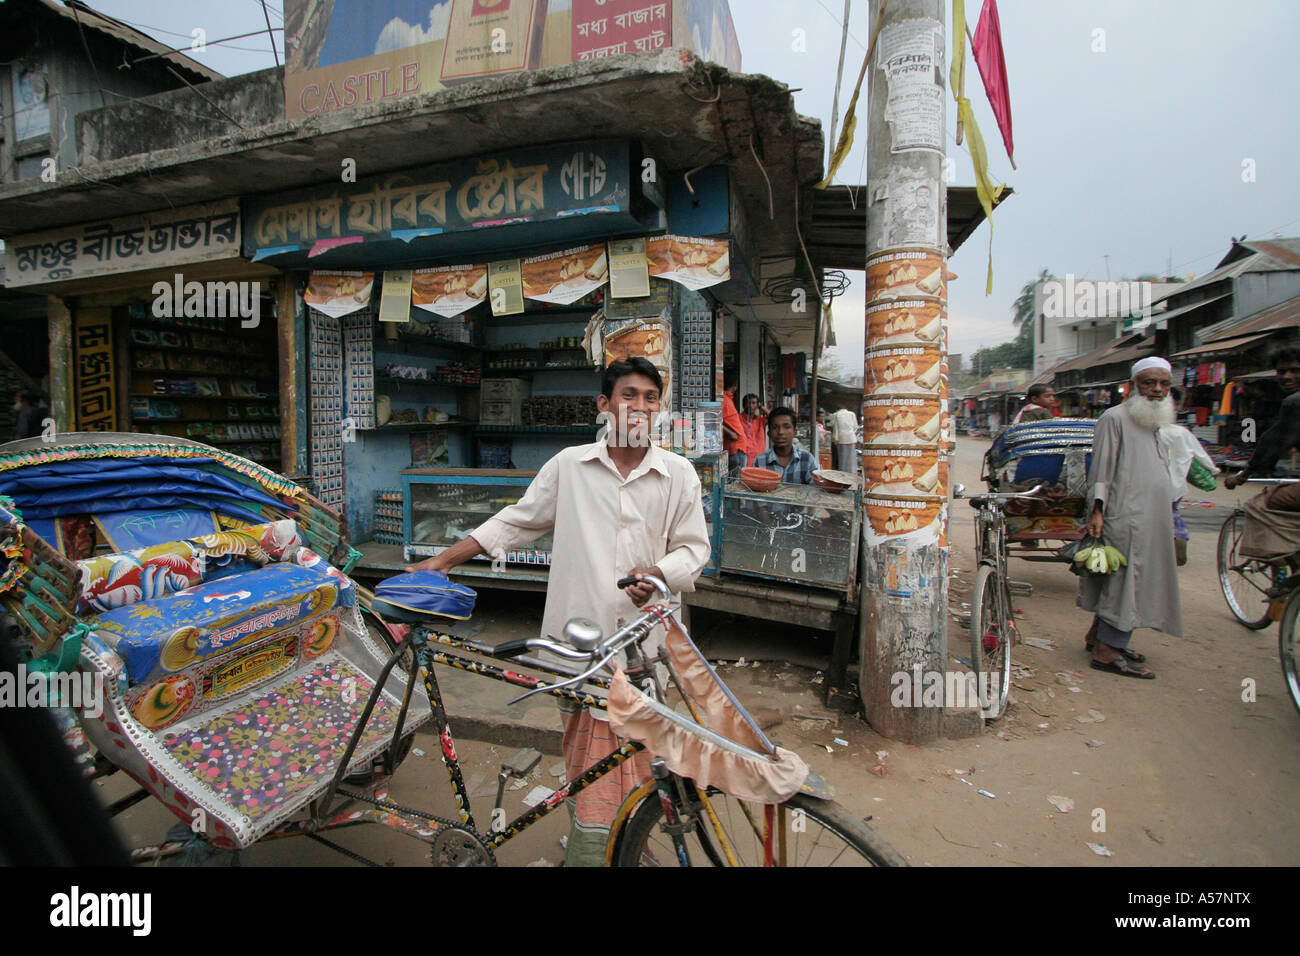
x=904, y=567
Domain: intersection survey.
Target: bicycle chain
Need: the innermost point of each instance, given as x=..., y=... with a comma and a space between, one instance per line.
x=404, y=810
x=445, y=824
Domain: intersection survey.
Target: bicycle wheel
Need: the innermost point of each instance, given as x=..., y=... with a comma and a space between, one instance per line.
x=818, y=833
x=1243, y=580
x=990, y=644
x=1286, y=650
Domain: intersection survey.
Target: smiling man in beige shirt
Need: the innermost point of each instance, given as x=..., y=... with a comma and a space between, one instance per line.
x=619, y=507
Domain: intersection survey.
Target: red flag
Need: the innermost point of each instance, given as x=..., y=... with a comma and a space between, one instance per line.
x=986, y=48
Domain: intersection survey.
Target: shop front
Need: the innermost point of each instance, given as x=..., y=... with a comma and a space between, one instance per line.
x=158, y=325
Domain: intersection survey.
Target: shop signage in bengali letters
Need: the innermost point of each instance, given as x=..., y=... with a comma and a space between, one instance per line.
x=516, y=186
x=604, y=28
x=132, y=243
x=96, y=410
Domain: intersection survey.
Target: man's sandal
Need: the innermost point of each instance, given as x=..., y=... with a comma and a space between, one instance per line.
x=1120, y=666
x=1134, y=656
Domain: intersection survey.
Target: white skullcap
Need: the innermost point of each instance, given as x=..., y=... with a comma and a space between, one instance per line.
x=1151, y=361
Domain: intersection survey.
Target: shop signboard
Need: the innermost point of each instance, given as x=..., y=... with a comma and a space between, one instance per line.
x=92, y=371
x=170, y=237
x=352, y=53
x=508, y=188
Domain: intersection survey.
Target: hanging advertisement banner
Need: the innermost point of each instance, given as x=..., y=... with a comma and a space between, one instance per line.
x=694, y=263
x=629, y=275
x=449, y=290
x=395, y=296
x=337, y=293
x=566, y=276
x=505, y=287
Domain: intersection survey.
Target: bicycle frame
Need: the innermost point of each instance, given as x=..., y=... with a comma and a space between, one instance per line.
x=991, y=549
x=337, y=807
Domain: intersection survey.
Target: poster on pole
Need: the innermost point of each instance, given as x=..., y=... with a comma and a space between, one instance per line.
x=911, y=53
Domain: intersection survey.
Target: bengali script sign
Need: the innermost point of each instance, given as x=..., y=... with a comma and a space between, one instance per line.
x=355, y=55
x=92, y=371
x=517, y=186
x=166, y=238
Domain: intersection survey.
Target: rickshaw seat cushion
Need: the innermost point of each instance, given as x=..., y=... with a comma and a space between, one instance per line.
x=116, y=580
x=416, y=594
x=175, y=631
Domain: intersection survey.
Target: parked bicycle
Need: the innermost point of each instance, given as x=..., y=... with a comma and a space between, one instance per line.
x=992, y=622
x=670, y=819
x=1259, y=591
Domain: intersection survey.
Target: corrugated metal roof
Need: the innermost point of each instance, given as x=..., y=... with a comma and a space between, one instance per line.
x=1265, y=255
x=1284, y=316
x=1184, y=309
x=1223, y=345
x=1102, y=354
x=78, y=12
x=1283, y=253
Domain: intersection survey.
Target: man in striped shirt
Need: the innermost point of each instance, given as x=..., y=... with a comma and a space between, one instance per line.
x=793, y=464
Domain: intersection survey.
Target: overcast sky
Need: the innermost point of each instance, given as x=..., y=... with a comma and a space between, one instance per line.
x=1134, y=152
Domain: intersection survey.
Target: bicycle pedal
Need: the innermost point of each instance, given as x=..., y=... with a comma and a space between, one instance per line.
x=521, y=762
x=1020, y=587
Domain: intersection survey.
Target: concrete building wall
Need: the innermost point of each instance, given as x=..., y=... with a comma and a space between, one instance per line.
x=180, y=116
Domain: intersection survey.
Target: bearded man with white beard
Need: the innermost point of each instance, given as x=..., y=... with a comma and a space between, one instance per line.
x=1132, y=509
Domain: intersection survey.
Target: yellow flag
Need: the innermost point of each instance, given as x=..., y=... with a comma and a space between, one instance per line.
x=846, y=138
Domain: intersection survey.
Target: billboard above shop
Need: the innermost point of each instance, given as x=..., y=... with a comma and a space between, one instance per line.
x=347, y=53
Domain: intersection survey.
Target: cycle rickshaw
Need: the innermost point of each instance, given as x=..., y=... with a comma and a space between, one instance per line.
x=192, y=612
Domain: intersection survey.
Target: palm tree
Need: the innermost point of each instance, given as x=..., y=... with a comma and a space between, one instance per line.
x=1022, y=310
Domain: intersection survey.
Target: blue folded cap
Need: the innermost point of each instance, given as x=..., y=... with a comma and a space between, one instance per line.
x=428, y=592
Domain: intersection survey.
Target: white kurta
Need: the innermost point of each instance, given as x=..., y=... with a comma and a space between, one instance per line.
x=1130, y=477
x=604, y=526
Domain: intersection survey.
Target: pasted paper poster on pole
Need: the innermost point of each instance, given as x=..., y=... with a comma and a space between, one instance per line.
x=694, y=263
x=449, y=290
x=912, y=55
x=905, y=273
x=565, y=276
x=650, y=339
x=505, y=287
x=629, y=276
x=338, y=293
x=395, y=296
x=904, y=370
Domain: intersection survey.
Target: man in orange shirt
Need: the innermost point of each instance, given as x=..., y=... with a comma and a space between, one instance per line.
x=733, y=429
x=754, y=418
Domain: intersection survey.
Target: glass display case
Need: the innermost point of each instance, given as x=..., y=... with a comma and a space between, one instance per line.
x=711, y=470
x=443, y=505
x=795, y=533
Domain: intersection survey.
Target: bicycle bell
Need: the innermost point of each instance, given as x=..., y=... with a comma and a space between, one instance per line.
x=583, y=634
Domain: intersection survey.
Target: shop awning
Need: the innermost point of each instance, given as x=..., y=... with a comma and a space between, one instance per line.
x=1087, y=385
x=837, y=238
x=1184, y=309
x=1223, y=345
x=1284, y=316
